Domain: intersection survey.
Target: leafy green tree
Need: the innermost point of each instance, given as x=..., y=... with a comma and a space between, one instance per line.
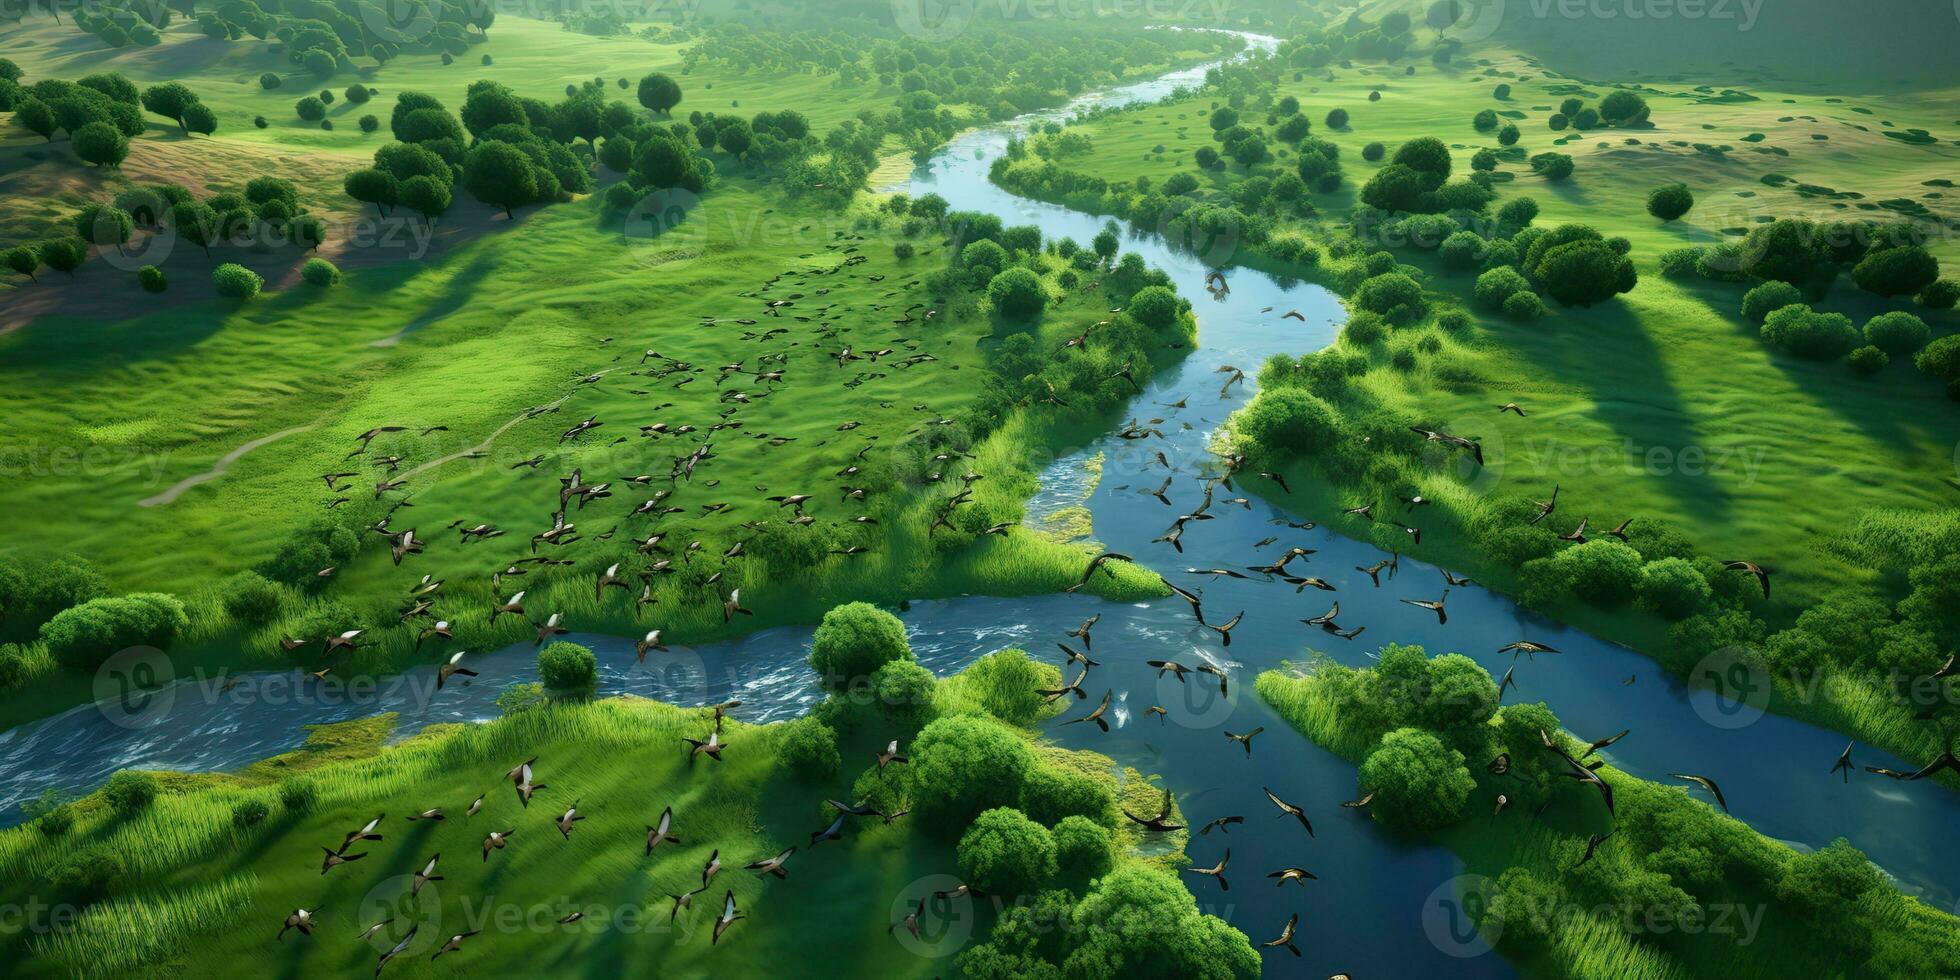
x=1004, y=853
x=1552, y=166
x=169, y=100
x=1899, y=271
x=195, y=222
x=199, y=118
x=1395, y=187
x=23, y=260
x=1897, y=332
x=853, y=641
x=500, y=175
x=1418, y=781
x=1017, y=293
x=1288, y=422
x=1337, y=118
x=129, y=792
x=104, y=224
x=1810, y=334
x=373, y=186
x=660, y=93
x=1396, y=297
x=1053, y=793
x=426, y=196
x=310, y=108
x=82, y=637
x=1623, y=108
x=38, y=118
x=64, y=254
x=1178, y=942
x=236, y=281
x=965, y=764
x=1508, y=134
x=1673, y=588
x=1428, y=156
x=1084, y=849
x=1759, y=302
x=100, y=144
x=1789, y=249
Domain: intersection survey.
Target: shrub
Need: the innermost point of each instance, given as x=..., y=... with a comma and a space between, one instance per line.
x=1809, y=334
x=297, y=795
x=236, y=281
x=965, y=764
x=1289, y=421
x=100, y=144
x=904, y=692
x=1602, y=571
x=1673, y=588
x=251, y=598
x=1680, y=263
x=1622, y=108
x=1396, y=297
x=1004, y=853
x=902, y=251
x=320, y=272
x=311, y=108
x=1760, y=302
x=1899, y=271
x=1017, y=293
x=91, y=871
x=1462, y=251
x=1337, y=118
x=567, y=667
x=1789, y=249
x=1418, y=781
x=152, y=279
x=1552, y=166
x=1524, y=305
x=83, y=637
x=248, y=813
x=1004, y=683
x=1497, y=285
x=1373, y=152
x=808, y=749
x=1867, y=361
x=1941, y=358
x=1155, y=307
x=370, y=122
x=1670, y=202
x=269, y=81
x=1897, y=332
x=853, y=641
x=1940, y=294
x=1485, y=120
x=1508, y=134
x=129, y=792
x=1581, y=270
x=1084, y=849
x=1053, y=793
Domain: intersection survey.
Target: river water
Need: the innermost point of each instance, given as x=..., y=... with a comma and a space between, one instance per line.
x=1380, y=906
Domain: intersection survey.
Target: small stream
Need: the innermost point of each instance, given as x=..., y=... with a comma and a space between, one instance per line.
x=1372, y=911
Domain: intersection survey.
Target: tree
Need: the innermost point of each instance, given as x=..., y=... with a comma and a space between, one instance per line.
x=1673, y=589
x=427, y=196
x=195, y=222
x=1484, y=121
x=1789, y=249
x=1897, y=333
x=1940, y=294
x=1004, y=853
x=1496, y=285
x=567, y=667
x=1177, y=941
x=23, y=260
x=64, y=254
x=807, y=749
x=129, y=792
x=660, y=93
x=1418, y=781
x=659, y=162
x=1623, y=108
x=853, y=641
x=103, y=224
x=236, y=281
x=1395, y=296
x=1337, y=118
x=1508, y=134
x=1670, y=201
x=1155, y=307
x=1084, y=849
x=1552, y=166
x=965, y=764
x=735, y=137
x=373, y=186
x=320, y=272
x=199, y=118
x=1428, y=156
x=1395, y=187
x=489, y=105
x=310, y=108
x=1017, y=293
x=1462, y=251
x=1899, y=271
x=1288, y=422
x=428, y=126
x=500, y=175
x=1106, y=242
x=38, y=118
x=100, y=144
x=1584, y=272
x=169, y=100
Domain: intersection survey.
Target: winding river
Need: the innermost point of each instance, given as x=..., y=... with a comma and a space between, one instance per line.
x=1373, y=910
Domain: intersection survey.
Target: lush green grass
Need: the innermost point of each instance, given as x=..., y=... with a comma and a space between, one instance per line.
x=1588, y=938
x=199, y=889
x=1662, y=403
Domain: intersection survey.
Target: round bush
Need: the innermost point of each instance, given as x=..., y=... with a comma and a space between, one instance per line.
x=129, y=792
x=1053, y=793
x=251, y=598
x=1673, y=588
x=853, y=641
x=1462, y=251
x=297, y=795
x=1396, y=297
x=1497, y=285
x=269, y=81
x=567, y=667
x=1337, y=118
x=1154, y=307
x=1867, y=361
x=1603, y=571
x=1373, y=152
x=1017, y=292
x=236, y=281
x=1897, y=332
x=1289, y=421
x=1941, y=358
x=1524, y=305
x=1417, y=780
x=1670, y=202
x=1004, y=853
x=1940, y=294
x=93, y=870
x=319, y=272
x=311, y=109
x=1809, y=334
x=152, y=279
x=248, y=813
x=1084, y=849
x=83, y=637
x=902, y=251
x=808, y=749
x=1760, y=302
x=965, y=764
x=1898, y=271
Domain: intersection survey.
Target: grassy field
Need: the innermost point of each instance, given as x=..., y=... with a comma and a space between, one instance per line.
x=1521, y=870
x=199, y=889
x=1662, y=404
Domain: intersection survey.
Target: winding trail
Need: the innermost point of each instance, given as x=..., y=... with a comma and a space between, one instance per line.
x=218, y=469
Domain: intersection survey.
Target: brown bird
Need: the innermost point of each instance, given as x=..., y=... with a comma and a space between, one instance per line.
x=710, y=748
x=495, y=841
x=772, y=866
x=1159, y=823
x=890, y=755
x=1762, y=574
x=1299, y=875
x=1096, y=715
x=454, y=944
x=1433, y=605
x=301, y=919
x=452, y=667
x=651, y=641
x=335, y=859
x=726, y=918
x=1709, y=784
x=1216, y=871
x=1285, y=939
x=1246, y=739
x=663, y=832
x=1288, y=809
x=1098, y=562
x=1511, y=407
